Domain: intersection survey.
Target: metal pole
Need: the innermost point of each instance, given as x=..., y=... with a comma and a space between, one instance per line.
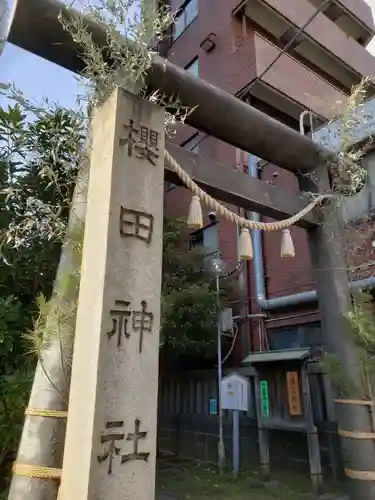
x=236, y=442
x=221, y=448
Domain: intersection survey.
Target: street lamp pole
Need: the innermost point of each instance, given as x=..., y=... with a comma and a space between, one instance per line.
x=219, y=269
x=221, y=447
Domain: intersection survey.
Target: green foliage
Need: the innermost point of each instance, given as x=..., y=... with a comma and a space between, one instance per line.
x=348, y=175
x=132, y=27
x=362, y=322
x=15, y=378
x=40, y=150
x=133, y=30
x=189, y=304
x=362, y=332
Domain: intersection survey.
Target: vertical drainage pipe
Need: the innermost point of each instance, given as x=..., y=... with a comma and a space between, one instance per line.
x=258, y=267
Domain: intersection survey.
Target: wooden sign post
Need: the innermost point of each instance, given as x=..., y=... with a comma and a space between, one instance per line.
x=294, y=398
x=264, y=399
x=111, y=433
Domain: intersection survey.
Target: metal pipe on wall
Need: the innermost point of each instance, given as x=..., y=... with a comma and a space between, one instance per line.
x=258, y=268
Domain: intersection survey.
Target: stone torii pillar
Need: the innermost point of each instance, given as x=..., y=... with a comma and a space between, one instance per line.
x=110, y=447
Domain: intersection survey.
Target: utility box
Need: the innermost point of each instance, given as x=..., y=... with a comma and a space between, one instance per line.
x=226, y=320
x=235, y=392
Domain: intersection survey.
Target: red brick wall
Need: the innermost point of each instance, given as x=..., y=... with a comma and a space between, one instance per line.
x=286, y=276
x=226, y=67
x=230, y=68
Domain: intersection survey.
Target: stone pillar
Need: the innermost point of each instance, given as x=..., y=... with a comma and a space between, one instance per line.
x=325, y=242
x=110, y=443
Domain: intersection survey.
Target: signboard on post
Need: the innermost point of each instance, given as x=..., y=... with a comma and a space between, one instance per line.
x=264, y=399
x=235, y=392
x=235, y=396
x=213, y=406
x=294, y=399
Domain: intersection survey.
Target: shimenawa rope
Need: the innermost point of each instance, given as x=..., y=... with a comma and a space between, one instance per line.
x=39, y=471
x=228, y=214
x=36, y=412
x=36, y=471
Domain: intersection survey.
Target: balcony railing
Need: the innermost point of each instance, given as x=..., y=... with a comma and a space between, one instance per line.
x=323, y=43
x=296, y=86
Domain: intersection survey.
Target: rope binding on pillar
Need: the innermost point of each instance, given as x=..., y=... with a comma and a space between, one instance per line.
x=195, y=218
x=39, y=471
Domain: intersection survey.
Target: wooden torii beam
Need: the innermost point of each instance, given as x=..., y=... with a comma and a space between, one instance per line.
x=35, y=27
x=218, y=181
x=237, y=189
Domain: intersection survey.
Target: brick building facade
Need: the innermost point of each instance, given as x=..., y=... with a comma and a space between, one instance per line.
x=231, y=43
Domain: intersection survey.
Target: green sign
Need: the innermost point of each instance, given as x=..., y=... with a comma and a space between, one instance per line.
x=213, y=406
x=264, y=400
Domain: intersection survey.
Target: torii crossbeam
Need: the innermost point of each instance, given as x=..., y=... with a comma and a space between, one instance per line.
x=36, y=28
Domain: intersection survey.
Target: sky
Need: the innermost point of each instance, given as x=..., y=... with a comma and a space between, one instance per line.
x=38, y=79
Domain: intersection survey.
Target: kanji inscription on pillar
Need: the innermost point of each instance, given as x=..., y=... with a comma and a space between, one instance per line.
x=141, y=322
x=110, y=439
x=136, y=224
x=135, y=437
x=140, y=142
x=113, y=447
x=110, y=447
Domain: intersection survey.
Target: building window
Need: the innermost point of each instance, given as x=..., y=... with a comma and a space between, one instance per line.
x=295, y=337
x=168, y=186
x=193, y=67
x=186, y=16
x=206, y=239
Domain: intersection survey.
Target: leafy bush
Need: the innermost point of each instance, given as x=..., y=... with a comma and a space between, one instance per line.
x=39, y=156
x=189, y=304
x=15, y=380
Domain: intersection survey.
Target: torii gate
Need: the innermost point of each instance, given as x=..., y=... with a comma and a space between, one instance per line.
x=35, y=27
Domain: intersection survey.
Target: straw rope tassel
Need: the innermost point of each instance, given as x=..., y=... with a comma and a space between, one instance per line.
x=195, y=217
x=245, y=249
x=228, y=214
x=287, y=247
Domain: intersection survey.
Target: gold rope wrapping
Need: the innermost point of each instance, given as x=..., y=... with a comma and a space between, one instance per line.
x=36, y=471
x=35, y=412
x=228, y=214
x=356, y=434
x=361, y=475
x=355, y=402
